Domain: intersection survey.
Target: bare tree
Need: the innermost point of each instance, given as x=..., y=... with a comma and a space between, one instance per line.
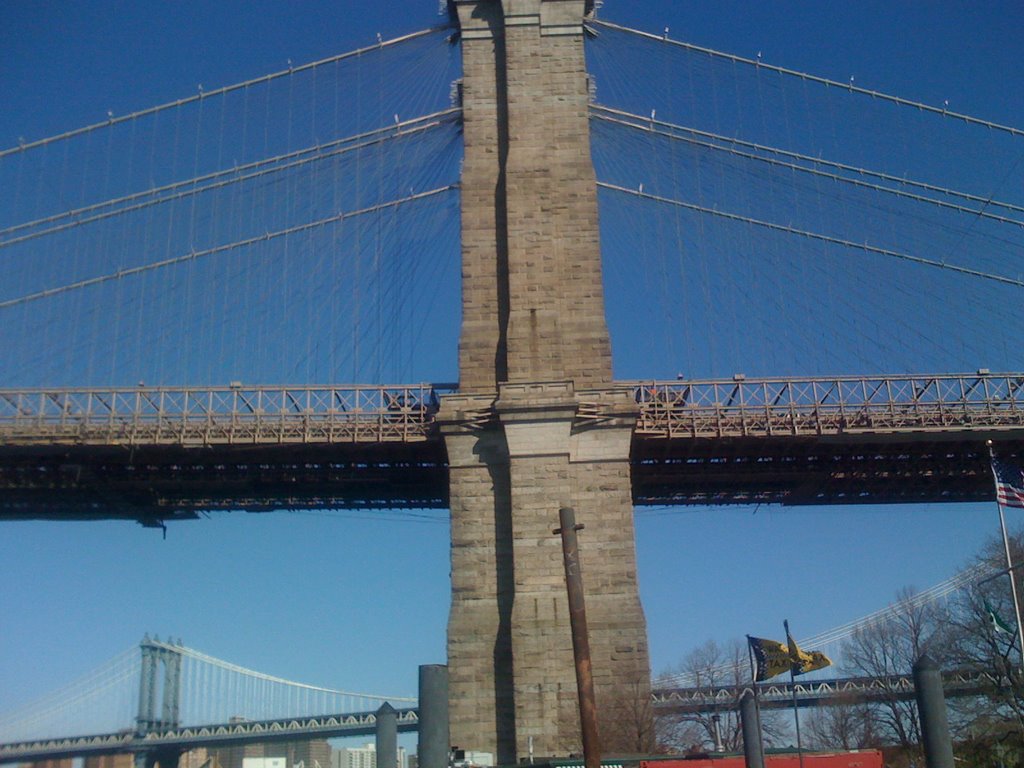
x=712, y=665
x=993, y=722
x=627, y=720
x=890, y=647
x=846, y=724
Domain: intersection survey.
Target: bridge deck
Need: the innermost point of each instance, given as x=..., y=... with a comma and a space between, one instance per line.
x=808, y=693
x=161, y=453
x=221, y=735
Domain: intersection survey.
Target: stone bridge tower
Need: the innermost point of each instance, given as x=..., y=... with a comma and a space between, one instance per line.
x=537, y=423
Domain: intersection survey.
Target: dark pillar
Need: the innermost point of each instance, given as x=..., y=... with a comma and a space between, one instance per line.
x=753, y=750
x=931, y=706
x=387, y=736
x=172, y=687
x=434, y=741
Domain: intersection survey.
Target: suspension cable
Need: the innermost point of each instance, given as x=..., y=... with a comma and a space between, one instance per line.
x=251, y=673
x=953, y=583
x=236, y=174
x=219, y=249
x=640, y=123
x=224, y=90
x=814, y=236
x=879, y=95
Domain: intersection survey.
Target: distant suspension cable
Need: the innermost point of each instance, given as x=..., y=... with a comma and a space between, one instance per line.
x=938, y=591
x=192, y=255
x=815, y=236
x=229, y=667
x=220, y=91
x=640, y=123
x=958, y=581
x=815, y=79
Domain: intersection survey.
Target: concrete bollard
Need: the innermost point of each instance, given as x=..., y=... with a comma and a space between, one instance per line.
x=387, y=736
x=750, y=720
x=434, y=741
x=931, y=706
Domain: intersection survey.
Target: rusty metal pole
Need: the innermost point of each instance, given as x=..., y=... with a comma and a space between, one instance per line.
x=580, y=638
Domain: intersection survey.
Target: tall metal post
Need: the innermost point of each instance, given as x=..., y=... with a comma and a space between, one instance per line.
x=716, y=722
x=580, y=637
x=750, y=721
x=434, y=740
x=931, y=706
x=387, y=736
x=792, y=685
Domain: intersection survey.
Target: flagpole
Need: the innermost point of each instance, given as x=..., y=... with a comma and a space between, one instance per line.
x=1006, y=548
x=792, y=688
x=757, y=705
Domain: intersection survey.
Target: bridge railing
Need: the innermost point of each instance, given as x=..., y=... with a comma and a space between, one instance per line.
x=234, y=414
x=837, y=405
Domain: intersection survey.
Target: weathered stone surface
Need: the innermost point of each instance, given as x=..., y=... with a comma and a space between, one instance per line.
x=523, y=438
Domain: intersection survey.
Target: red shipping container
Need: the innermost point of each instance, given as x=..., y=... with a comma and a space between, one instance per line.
x=864, y=758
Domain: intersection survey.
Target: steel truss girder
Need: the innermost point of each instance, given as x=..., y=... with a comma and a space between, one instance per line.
x=227, y=734
x=154, y=454
x=809, y=693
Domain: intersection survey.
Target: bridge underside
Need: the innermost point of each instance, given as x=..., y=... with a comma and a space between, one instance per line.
x=152, y=484
x=156, y=483
x=793, y=470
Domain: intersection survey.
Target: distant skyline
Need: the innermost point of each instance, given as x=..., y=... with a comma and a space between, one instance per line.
x=356, y=600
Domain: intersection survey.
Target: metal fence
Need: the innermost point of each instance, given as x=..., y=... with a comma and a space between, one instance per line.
x=738, y=407
x=823, y=406
x=218, y=415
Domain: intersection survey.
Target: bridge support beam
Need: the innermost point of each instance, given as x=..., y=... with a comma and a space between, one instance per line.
x=537, y=424
x=512, y=676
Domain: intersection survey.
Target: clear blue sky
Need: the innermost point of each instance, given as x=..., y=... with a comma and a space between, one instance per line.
x=358, y=600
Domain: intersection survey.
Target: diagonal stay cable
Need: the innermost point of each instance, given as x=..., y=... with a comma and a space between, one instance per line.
x=192, y=255
x=815, y=236
x=221, y=91
x=639, y=123
x=879, y=95
x=224, y=177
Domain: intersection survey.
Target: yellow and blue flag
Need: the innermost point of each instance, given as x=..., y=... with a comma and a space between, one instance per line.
x=771, y=658
x=805, y=661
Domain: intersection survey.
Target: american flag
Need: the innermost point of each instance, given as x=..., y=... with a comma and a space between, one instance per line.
x=1009, y=483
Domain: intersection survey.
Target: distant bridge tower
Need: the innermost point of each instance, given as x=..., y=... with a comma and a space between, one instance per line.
x=159, y=700
x=537, y=423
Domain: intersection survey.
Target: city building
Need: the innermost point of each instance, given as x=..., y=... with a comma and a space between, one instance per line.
x=363, y=757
